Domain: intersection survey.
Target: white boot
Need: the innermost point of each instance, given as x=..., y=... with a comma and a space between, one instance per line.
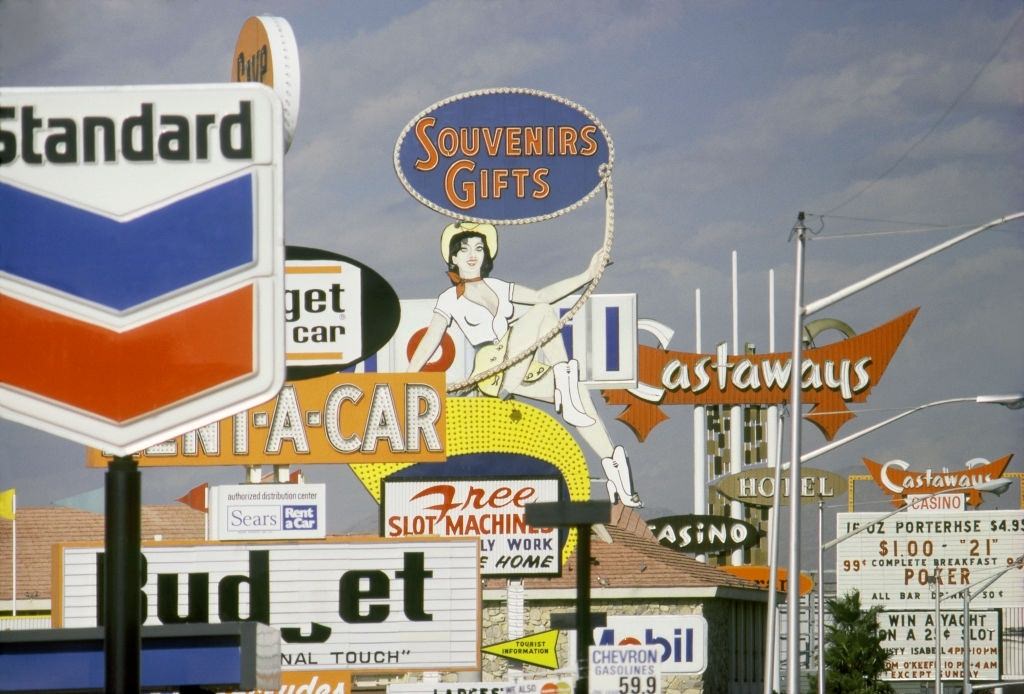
x=620, y=481
x=567, y=394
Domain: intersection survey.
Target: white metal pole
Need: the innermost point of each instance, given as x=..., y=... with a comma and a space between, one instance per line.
x=793, y=586
x=774, y=423
x=700, y=484
x=967, y=641
x=938, y=633
x=772, y=435
x=736, y=508
x=821, y=599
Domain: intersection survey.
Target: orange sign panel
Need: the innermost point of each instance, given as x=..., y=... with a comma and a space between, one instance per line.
x=896, y=480
x=759, y=575
x=338, y=418
x=831, y=376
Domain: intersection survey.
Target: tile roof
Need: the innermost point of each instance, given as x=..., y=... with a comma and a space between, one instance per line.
x=40, y=527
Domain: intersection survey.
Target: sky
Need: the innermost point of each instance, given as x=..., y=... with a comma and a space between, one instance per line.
x=893, y=125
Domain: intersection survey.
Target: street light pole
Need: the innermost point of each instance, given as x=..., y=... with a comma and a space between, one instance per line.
x=793, y=586
x=800, y=311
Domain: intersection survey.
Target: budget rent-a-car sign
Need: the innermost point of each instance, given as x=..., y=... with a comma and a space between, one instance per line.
x=141, y=258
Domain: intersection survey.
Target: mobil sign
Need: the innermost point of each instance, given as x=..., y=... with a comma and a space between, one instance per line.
x=141, y=258
x=681, y=641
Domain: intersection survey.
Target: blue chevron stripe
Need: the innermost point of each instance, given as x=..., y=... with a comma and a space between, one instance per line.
x=123, y=264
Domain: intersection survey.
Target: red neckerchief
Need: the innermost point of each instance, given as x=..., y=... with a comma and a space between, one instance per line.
x=460, y=284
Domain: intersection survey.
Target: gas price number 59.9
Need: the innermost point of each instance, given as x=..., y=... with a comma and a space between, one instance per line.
x=638, y=685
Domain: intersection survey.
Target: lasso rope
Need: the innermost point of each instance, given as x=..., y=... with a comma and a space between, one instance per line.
x=609, y=237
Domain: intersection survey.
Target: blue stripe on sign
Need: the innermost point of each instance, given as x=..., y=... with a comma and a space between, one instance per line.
x=123, y=264
x=566, y=332
x=689, y=645
x=611, y=338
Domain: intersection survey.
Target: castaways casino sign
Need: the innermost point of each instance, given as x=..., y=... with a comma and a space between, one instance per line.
x=700, y=534
x=897, y=480
x=831, y=377
x=503, y=156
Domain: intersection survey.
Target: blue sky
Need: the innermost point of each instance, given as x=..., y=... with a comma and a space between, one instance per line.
x=727, y=117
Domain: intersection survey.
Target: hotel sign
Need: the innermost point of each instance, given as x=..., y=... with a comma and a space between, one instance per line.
x=756, y=486
x=897, y=480
x=831, y=377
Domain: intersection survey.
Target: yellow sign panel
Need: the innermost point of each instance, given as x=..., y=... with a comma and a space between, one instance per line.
x=338, y=418
x=536, y=649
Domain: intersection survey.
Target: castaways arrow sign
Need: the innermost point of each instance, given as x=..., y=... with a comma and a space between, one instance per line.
x=699, y=534
x=897, y=481
x=832, y=376
x=503, y=156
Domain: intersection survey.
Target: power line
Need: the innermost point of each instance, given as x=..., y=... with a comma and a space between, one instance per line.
x=937, y=123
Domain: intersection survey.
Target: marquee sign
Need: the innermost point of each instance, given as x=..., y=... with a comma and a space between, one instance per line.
x=831, y=377
x=353, y=605
x=756, y=485
x=909, y=638
x=340, y=418
x=491, y=509
x=894, y=560
x=896, y=479
x=141, y=258
x=503, y=156
x=702, y=534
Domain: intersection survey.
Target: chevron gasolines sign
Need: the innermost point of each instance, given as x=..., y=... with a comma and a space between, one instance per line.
x=141, y=258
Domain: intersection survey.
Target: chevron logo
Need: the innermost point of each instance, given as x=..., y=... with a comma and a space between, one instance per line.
x=141, y=258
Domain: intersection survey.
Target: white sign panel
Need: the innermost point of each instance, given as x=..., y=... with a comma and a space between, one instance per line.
x=492, y=509
x=624, y=670
x=447, y=688
x=322, y=300
x=909, y=639
x=601, y=337
x=547, y=685
x=681, y=640
x=891, y=563
x=267, y=512
x=374, y=605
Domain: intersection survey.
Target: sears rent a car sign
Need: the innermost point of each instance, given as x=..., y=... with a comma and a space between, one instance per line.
x=141, y=258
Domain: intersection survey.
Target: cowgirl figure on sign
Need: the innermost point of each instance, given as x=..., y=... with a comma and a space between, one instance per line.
x=485, y=309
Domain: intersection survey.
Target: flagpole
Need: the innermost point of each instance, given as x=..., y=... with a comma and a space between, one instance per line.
x=14, y=554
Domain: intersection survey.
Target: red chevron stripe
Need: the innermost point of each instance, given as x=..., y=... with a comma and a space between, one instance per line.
x=124, y=375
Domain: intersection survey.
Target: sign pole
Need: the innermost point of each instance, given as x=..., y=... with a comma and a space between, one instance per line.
x=584, y=634
x=580, y=515
x=122, y=577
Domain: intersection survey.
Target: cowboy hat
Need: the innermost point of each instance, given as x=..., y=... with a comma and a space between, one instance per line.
x=487, y=231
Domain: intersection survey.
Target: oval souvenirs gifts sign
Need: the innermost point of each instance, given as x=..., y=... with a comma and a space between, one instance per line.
x=504, y=156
